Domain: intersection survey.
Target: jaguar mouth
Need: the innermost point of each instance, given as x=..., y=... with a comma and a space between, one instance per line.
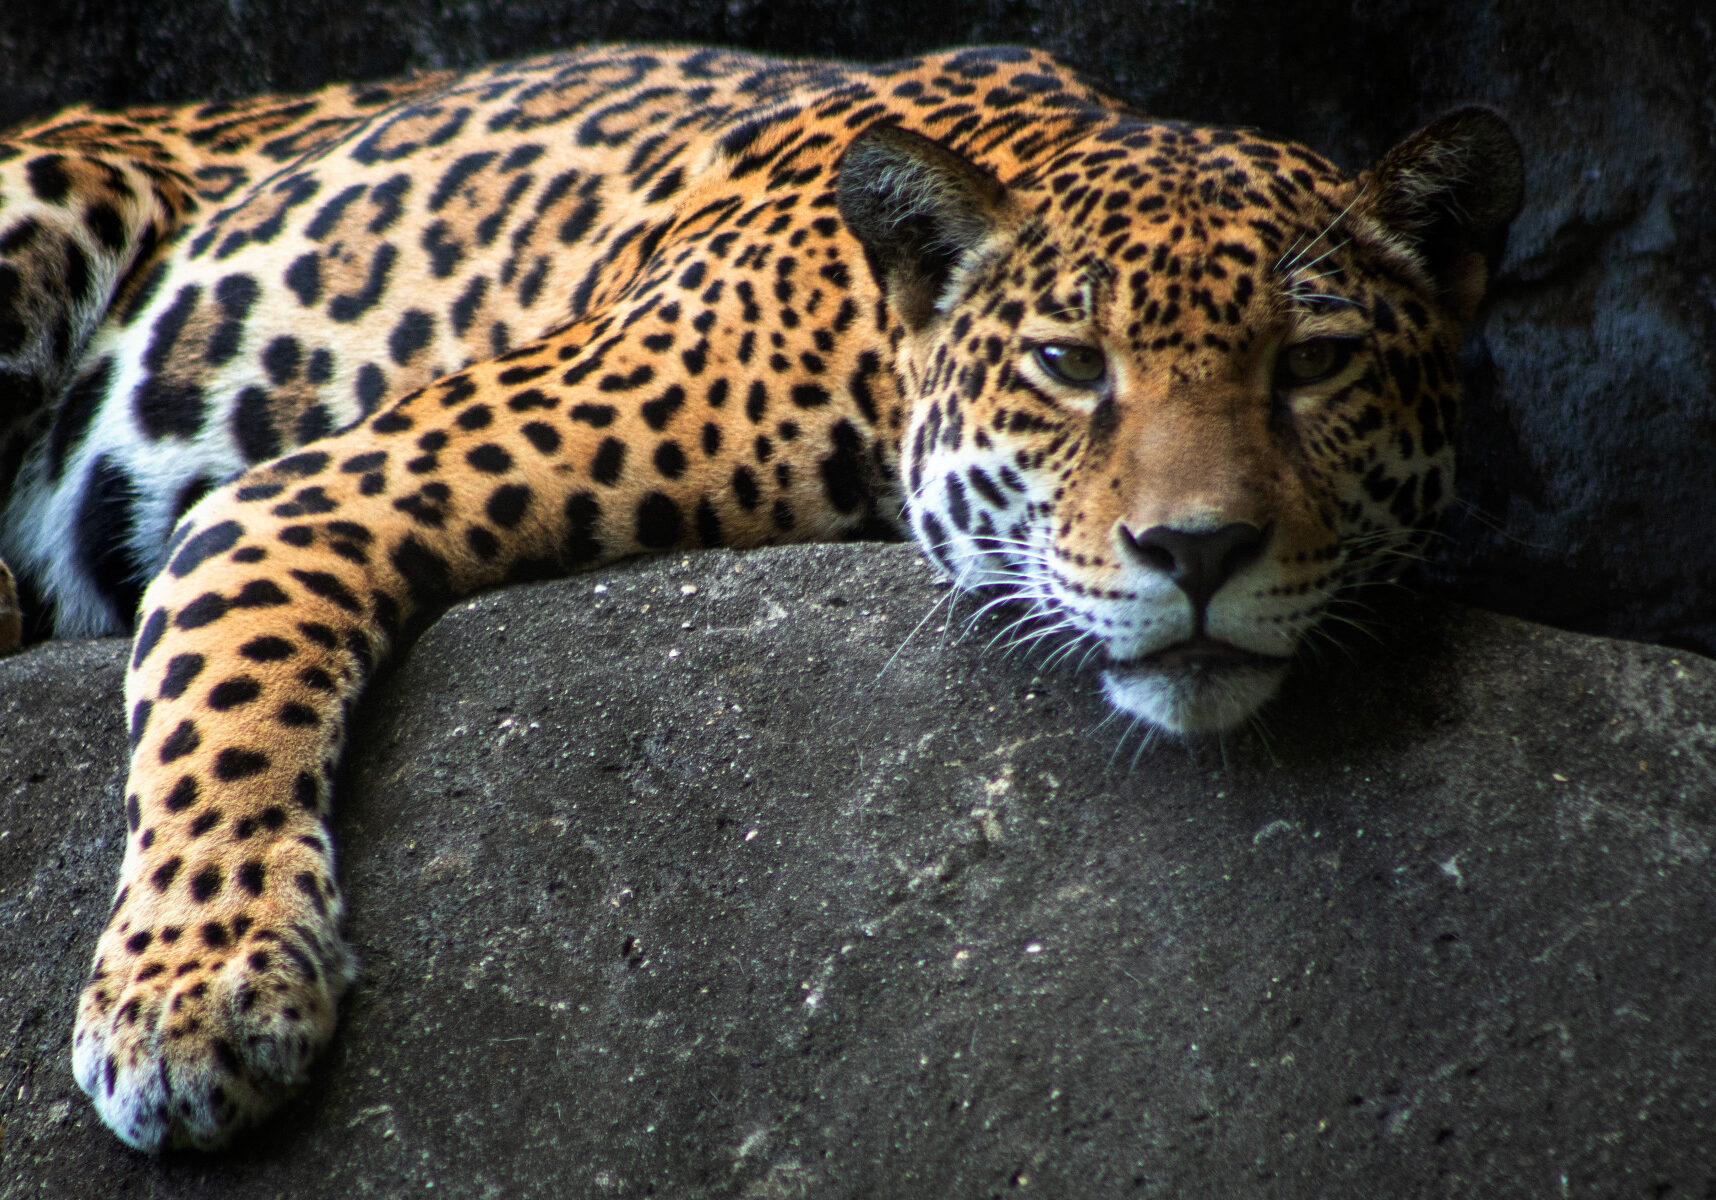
x=1199, y=653
x=1200, y=685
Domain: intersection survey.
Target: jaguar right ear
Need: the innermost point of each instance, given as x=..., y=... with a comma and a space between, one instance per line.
x=918, y=209
x=1445, y=196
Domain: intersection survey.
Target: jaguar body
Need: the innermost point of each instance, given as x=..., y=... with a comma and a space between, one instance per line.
x=281, y=378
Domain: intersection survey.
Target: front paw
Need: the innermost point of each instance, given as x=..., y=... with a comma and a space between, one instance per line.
x=187, y=1034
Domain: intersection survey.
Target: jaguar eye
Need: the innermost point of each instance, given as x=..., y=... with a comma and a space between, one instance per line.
x=1312, y=361
x=1072, y=363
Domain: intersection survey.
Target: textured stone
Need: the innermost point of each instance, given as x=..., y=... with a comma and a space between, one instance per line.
x=703, y=878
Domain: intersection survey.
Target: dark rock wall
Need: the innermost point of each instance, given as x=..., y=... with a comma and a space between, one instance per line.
x=1591, y=433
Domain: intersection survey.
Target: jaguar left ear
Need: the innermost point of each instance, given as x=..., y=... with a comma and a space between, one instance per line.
x=918, y=208
x=1446, y=195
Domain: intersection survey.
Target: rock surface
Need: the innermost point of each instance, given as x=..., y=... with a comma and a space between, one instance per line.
x=1592, y=421
x=701, y=878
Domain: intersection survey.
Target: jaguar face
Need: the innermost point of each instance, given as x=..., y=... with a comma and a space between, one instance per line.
x=1178, y=391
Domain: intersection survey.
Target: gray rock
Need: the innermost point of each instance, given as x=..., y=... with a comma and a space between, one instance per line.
x=703, y=878
x=1592, y=423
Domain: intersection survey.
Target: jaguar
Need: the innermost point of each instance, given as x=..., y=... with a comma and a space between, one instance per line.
x=281, y=378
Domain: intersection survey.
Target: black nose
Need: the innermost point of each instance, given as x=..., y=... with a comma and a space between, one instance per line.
x=1199, y=563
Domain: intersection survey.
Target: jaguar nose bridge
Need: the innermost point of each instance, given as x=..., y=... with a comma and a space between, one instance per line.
x=1193, y=463
x=1195, y=509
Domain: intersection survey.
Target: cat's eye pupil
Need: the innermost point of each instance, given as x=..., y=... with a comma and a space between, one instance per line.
x=1310, y=361
x=1071, y=363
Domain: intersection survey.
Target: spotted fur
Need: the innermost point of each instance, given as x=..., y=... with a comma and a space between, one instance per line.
x=284, y=377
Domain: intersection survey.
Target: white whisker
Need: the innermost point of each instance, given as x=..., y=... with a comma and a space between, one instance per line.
x=941, y=600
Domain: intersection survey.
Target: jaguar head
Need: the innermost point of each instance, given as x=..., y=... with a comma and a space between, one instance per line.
x=1175, y=388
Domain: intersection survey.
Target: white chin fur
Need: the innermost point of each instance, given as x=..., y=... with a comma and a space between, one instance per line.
x=1194, y=701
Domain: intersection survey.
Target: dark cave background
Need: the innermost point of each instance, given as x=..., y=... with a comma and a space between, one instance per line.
x=1588, y=490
